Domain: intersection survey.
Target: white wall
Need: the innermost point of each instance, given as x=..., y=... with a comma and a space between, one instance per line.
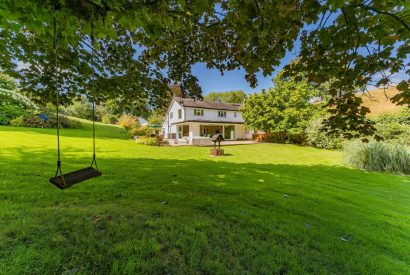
x=240, y=131
x=194, y=128
x=210, y=114
x=168, y=126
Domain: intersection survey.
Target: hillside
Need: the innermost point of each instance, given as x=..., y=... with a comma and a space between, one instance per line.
x=378, y=103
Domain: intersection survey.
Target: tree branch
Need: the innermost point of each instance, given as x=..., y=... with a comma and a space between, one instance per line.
x=376, y=10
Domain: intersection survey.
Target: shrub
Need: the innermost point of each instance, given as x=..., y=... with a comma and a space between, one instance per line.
x=109, y=119
x=318, y=138
x=378, y=156
x=18, y=121
x=128, y=122
x=13, y=105
x=79, y=108
x=283, y=137
x=394, y=126
x=146, y=141
x=140, y=131
x=35, y=121
x=9, y=112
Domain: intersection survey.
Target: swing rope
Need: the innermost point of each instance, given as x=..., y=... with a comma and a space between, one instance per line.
x=58, y=171
x=69, y=179
x=94, y=162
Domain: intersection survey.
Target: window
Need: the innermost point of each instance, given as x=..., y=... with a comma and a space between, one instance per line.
x=171, y=115
x=234, y=114
x=180, y=113
x=198, y=112
x=221, y=113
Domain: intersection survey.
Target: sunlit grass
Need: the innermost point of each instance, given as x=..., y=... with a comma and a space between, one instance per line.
x=264, y=208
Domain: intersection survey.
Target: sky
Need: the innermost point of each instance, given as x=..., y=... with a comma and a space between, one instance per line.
x=211, y=80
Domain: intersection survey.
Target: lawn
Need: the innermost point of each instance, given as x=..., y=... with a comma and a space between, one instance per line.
x=177, y=210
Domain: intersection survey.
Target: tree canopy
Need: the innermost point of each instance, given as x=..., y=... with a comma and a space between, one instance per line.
x=284, y=109
x=229, y=96
x=141, y=47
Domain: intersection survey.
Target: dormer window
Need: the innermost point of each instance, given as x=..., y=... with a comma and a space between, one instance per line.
x=221, y=113
x=198, y=112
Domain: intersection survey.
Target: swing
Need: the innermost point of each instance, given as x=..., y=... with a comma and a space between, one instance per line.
x=61, y=180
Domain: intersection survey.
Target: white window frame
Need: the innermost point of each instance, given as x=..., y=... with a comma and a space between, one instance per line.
x=171, y=115
x=221, y=113
x=198, y=112
x=235, y=114
x=179, y=113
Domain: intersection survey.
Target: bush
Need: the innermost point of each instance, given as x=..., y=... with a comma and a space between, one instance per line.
x=394, y=126
x=9, y=112
x=35, y=121
x=378, y=156
x=318, y=138
x=13, y=105
x=109, y=119
x=140, y=131
x=79, y=108
x=282, y=137
x=128, y=122
x=18, y=121
x=146, y=141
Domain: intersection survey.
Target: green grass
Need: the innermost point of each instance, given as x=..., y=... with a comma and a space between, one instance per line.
x=223, y=215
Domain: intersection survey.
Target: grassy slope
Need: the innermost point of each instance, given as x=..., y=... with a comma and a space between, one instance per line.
x=223, y=215
x=378, y=103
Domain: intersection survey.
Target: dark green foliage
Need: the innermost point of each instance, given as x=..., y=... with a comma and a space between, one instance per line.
x=284, y=137
x=13, y=105
x=317, y=137
x=34, y=121
x=353, y=44
x=144, y=46
x=229, y=97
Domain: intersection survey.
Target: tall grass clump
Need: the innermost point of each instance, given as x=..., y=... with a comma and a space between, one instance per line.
x=378, y=156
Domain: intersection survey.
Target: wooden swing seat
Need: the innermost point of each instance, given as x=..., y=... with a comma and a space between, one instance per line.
x=69, y=179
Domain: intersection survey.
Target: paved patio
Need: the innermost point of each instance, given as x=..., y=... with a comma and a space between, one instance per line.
x=224, y=143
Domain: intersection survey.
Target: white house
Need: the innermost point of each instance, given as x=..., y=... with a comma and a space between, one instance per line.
x=190, y=120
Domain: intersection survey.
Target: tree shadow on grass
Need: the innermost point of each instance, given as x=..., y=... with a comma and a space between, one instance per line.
x=171, y=215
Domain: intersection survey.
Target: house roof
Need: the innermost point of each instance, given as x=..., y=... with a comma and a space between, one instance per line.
x=189, y=102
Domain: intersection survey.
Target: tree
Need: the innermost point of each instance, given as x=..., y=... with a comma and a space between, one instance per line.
x=7, y=82
x=80, y=108
x=229, y=97
x=142, y=46
x=283, y=110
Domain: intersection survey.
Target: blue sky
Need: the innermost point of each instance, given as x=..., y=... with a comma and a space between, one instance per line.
x=211, y=80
